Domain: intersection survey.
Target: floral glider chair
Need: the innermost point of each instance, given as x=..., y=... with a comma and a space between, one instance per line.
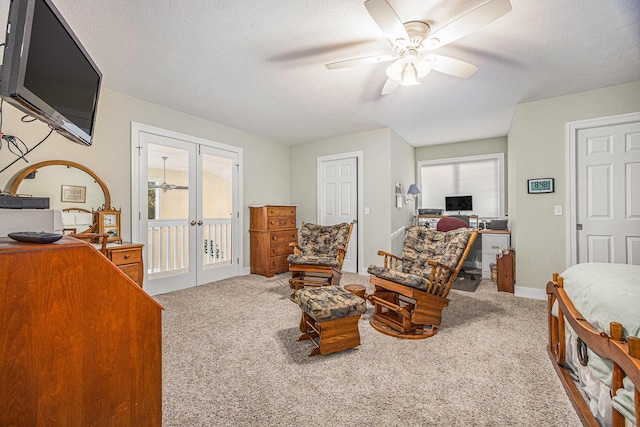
x=318, y=257
x=411, y=291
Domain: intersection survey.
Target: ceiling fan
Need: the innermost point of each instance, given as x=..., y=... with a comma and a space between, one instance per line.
x=164, y=186
x=412, y=42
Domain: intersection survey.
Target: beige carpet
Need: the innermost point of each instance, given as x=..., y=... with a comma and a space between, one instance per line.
x=230, y=358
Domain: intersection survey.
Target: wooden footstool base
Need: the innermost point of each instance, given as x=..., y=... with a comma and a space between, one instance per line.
x=330, y=318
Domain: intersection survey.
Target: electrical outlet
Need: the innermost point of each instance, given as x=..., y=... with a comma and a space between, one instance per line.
x=557, y=210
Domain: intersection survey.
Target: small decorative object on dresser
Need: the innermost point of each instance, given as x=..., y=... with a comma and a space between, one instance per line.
x=272, y=228
x=108, y=221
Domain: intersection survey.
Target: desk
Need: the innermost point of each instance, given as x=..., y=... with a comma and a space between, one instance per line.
x=473, y=219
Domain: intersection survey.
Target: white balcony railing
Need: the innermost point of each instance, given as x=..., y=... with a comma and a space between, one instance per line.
x=168, y=244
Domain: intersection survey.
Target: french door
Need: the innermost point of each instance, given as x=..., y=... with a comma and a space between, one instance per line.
x=189, y=216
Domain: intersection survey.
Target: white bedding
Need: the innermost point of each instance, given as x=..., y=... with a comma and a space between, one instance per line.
x=605, y=293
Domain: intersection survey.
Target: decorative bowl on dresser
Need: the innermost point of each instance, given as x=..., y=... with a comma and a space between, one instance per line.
x=272, y=228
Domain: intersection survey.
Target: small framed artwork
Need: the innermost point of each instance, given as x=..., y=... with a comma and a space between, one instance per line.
x=398, y=195
x=540, y=185
x=74, y=194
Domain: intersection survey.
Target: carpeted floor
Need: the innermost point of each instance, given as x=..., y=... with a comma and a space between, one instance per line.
x=230, y=358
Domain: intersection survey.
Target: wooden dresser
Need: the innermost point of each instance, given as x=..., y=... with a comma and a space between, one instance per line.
x=80, y=344
x=128, y=258
x=272, y=228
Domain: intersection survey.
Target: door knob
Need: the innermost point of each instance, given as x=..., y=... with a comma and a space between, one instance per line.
x=192, y=223
x=200, y=222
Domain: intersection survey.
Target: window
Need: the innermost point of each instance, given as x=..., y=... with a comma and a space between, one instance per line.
x=481, y=177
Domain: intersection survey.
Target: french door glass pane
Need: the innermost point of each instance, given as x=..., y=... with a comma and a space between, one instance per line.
x=168, y=211
x=217, y=208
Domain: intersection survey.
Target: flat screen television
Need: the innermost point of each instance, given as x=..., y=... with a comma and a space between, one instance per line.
x=458, y=203
x=46, y=71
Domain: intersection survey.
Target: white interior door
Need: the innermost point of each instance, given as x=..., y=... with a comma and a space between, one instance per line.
x=338, y=200
x=188, y=206
x=608, y=198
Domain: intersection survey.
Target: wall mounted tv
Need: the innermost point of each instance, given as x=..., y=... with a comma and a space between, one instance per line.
x=46, y=71
x=458, y=203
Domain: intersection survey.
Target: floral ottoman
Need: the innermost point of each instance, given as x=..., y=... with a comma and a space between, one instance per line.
x=330, y=314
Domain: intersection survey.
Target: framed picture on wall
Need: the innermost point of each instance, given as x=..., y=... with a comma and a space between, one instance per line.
x=398, y=195
x=74, y=194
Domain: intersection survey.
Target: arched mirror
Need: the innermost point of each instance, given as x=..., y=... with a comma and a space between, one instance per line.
x=70, y=187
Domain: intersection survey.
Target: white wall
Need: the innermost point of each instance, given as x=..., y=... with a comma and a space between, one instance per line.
x=403, y=171
x=266, y=163
x=375, y=147
x=537, y=144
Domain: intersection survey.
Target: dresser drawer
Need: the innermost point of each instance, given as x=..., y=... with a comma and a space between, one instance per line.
x=278, y=263
x=284, y=236
x=280, y=249
x=276, y=222
x=126, y=256
x=281, y=211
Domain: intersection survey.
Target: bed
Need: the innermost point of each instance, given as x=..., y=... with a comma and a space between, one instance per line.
x=77, y=220
x=594, y=325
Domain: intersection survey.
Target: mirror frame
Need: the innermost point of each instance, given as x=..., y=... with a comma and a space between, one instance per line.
x=69, y=164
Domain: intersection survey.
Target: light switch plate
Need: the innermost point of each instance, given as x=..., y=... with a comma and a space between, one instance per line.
x=557, y=210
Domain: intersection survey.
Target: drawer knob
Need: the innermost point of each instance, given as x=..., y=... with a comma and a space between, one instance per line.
x=274, y=237
x=127, y=256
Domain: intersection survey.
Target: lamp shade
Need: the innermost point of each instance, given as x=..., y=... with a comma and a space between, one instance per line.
x=413, y=189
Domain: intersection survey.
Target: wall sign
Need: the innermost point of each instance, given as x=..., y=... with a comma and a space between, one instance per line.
x=540, y=185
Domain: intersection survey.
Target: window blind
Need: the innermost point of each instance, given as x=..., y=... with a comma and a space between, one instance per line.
x=478, y=177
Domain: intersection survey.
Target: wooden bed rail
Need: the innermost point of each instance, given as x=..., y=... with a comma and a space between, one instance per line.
x=625, y=354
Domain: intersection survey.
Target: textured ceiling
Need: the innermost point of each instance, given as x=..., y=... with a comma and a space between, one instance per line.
x=258, y=65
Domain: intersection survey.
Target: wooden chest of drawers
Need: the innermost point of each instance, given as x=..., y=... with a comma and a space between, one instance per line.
x=272, y=228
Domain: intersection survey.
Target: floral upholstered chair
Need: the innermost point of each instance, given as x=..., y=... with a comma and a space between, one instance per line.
x=411, y=291
x=318, y=257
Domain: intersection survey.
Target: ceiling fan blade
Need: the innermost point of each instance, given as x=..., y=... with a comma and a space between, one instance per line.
x=452, y=66
x=387, y=19
x=468, y=23
x=359, y=61
x=389, y=86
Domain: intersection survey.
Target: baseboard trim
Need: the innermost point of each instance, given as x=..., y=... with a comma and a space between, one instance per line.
x=531, y=293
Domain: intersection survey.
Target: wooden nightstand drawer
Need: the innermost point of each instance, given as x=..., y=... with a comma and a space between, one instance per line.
x=281, y=222
x=131, y=270
x=126, y=256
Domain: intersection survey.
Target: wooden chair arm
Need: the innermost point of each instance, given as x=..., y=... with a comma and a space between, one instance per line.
x=391, y=261
x=441, y=278
x=296, y=248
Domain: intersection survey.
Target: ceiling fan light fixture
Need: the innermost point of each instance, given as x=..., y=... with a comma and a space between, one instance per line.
x=394, y=71
x=410, y=75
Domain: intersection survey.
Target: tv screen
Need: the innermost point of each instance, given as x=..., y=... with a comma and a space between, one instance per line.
x=458, y=203
x=47, y=73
